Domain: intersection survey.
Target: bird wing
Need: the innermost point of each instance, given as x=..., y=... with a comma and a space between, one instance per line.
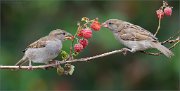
x=136, y=33
x=39, y=43
x=42, y=42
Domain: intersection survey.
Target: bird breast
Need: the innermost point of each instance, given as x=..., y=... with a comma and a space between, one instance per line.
x=44, y=54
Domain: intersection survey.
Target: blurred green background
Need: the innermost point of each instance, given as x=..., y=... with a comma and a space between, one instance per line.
x=23, y=22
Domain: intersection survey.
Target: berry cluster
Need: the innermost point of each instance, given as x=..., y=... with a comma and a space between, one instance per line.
x=82, y=35
x=85, y=33
x=164, y=10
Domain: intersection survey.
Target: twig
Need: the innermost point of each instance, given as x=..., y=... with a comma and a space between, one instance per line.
x=172, y=41
x=26, y=67
x=174, y=44
x=159, y=25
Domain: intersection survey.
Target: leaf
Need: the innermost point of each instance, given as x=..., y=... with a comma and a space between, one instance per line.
x=60, y=70
x=64, y=54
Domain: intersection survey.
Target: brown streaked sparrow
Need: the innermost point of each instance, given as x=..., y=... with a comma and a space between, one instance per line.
x=45, y=49
x=135, y=37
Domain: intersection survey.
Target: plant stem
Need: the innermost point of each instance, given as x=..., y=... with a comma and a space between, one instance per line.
x=159, y=25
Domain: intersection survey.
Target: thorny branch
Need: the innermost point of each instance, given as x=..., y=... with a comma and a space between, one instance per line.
x=176, y=41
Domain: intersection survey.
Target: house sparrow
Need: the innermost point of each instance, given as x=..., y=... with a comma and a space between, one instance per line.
x=135, y=37
x=45, y=49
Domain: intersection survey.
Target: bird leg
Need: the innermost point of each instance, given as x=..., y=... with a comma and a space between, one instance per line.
x=125, y=50
x=57, y=63
x=30, y=65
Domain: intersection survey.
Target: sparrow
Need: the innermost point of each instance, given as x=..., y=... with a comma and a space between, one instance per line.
x=134, y=37
x=45, y=49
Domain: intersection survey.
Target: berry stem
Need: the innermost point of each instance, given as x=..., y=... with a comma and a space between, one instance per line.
x=159, y=25
x=72, y=44
x=77, y=40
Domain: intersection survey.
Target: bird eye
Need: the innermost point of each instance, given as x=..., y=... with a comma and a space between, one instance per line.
x=63, y=33
x=110, y=23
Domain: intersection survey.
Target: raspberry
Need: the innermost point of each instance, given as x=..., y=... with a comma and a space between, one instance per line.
x=160, y=13
x=83, y=42
x=168, y=11
x=87, y=33
x=96, y=26
x=78, y=47
x=80, y=33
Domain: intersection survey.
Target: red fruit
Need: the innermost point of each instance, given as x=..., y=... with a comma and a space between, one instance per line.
x=160, y=13
x=96, y=26
x=87, y=33
x=80, y=33
x=78, y=47
x=83, y=42
x=168, y=11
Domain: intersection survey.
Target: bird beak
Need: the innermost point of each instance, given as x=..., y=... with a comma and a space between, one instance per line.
x=69, y=36
x=104, y=25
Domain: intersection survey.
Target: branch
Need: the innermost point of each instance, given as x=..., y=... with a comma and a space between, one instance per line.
x=176, y=41
x=172, y=41
x=63, y=62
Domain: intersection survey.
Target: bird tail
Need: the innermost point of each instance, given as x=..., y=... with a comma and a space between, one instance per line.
x=163, y=49
x=22, y=61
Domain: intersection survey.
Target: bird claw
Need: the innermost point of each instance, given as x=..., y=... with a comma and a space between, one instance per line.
x=125, y=50
x=52, y=62
x=30, y=67
x=56, y=63
x=19, y=67
x=124, y=53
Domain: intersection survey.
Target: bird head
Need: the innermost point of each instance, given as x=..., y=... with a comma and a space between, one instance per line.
x=112, y=24
x=60, y=34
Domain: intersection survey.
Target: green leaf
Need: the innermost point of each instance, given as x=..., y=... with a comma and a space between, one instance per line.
x=64, y=54
x=60, y=70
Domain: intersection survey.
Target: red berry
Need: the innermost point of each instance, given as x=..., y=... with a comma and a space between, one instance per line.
x=168, y=11
x=78, y=47
x=83, y=42
x=80, y=33
x=160, y=13
x=87, y=33
x=96, y=26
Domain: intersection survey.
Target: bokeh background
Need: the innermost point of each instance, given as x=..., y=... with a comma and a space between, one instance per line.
x=24, y=21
